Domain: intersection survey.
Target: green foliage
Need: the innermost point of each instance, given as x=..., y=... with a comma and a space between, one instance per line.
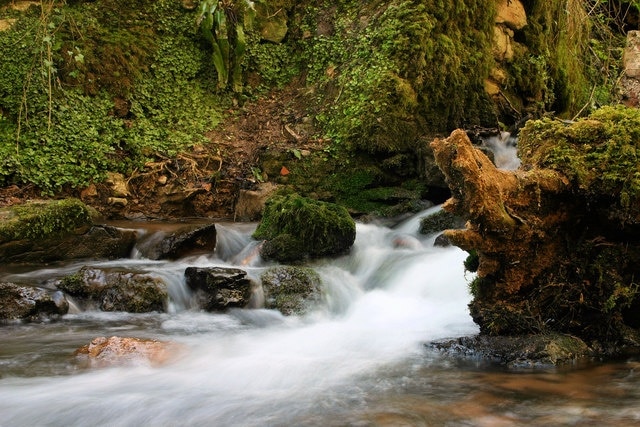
x=598, y=153
x=389, y=71
x=37, y=220
x=99, y=86
x=472, y=262
x=274, y=63
x=571, y=62
x=222, y=24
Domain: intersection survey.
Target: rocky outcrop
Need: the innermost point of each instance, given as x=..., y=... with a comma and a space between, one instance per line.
x=30, y=303
x=115, y=290
x=188, y=240
x=219, y=288
x=291, y=290
x=296, y=228
x=510, y=17
x=104, y=352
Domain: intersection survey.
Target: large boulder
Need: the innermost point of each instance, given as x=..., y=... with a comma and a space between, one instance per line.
x=296, y=228
x=116, y=290
x=219, y=288
x=291, y=290
x=188, y=240
x=30, y=303
x=46, y=231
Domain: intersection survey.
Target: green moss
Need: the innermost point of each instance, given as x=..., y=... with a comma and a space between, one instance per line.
x=569, y=58
x=37, y=220
x=91, y=87
x=438, y=222
x=599, y=153
x=472, y=262
x=303, y=227
x=391, y=70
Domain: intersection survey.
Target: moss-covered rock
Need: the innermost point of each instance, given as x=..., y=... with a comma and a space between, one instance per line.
x=54, y=230
x=598, y=153
x=291, y=290
x=116, y=290
x=439, y=221
x=296, y=228
x=42, y=219
x=557, y=240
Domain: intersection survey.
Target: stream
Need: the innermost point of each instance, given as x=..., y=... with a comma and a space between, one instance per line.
x=358, y=360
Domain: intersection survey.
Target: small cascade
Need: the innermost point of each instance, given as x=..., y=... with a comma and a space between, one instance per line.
x=504, y=149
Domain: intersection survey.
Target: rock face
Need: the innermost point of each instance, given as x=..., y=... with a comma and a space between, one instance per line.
x=30, y=303
x=103, y=352
x=291, y=290
x=116, y=290
x=219, y=288
x=630, y=80
x=554, y=243
x=189, y=240
x=296, y=228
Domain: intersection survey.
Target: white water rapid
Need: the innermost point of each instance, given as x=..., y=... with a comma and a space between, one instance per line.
x=249, y=367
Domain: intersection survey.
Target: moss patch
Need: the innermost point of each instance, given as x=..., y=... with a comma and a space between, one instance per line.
x=598, y=153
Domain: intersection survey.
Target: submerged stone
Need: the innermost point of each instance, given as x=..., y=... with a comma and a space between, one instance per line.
x=103, y=352
x=519, y=352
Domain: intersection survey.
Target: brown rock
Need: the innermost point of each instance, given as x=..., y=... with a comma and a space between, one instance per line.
x=251, y=202
x=104, y=352
x=511, y=13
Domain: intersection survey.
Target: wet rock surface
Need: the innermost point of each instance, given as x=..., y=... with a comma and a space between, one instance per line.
x=115, y=290
x=30, y=303
x=518, y=352
x=188, y=240
x=291, y=290
x=219, y=288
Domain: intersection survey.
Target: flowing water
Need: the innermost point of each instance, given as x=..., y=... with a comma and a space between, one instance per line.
x=358, y=360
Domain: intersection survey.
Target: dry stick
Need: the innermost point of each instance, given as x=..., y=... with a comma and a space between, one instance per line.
x=593, y=89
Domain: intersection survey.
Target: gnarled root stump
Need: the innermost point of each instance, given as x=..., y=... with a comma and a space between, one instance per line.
x=537, y=248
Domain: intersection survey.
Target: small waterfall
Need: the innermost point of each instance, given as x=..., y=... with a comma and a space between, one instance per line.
x=254, y=367
x=504, y=149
